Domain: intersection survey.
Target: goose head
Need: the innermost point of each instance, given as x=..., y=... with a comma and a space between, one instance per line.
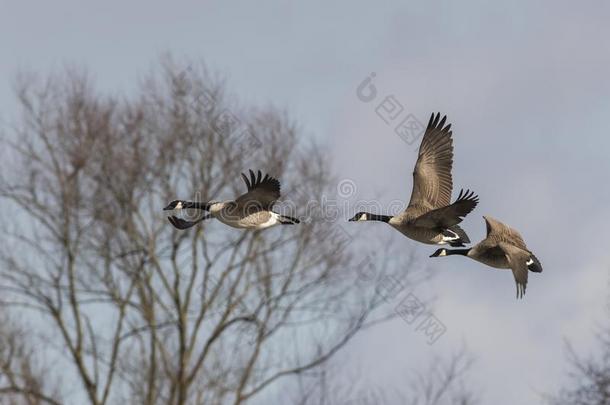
x=439, y=253
x=366, y=216
x=361, y=216
x=175, y=205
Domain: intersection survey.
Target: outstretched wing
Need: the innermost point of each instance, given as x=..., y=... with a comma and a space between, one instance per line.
x=449, y=215
x=498, y=230
x=262, y=193
x=517, y=259
x=432, y=180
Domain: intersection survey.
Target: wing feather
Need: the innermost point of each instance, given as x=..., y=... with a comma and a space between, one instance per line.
x=262, y=193
x=432, y=179
x=450, y=215
x=517, y=259
x=498, y=230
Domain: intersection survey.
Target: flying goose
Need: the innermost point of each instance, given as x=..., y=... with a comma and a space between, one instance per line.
x=503, y=248
x=252, y=210
x=430, y=218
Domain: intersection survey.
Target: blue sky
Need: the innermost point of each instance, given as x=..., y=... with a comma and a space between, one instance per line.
x=524, y=83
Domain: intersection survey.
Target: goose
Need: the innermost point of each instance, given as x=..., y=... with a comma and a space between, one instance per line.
x=252, y=210
x=503, y=248
x=430, y=218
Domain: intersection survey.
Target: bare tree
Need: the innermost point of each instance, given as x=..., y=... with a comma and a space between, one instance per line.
x=22, y=382
x=136, y=311
x=442, y=383
x=590, y=376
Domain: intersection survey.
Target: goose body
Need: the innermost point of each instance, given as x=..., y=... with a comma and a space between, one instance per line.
x=431, y=218
x=503, y=248
x=252, y=210
x=225, y=213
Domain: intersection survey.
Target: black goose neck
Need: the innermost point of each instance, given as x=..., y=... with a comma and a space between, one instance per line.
x=196, y=205
x=381, y=218
x=462, y=252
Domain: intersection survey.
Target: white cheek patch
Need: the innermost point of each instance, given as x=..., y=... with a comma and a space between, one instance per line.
x=363, y=218
x=443, y=253
x=178, y=206
x=530, y=262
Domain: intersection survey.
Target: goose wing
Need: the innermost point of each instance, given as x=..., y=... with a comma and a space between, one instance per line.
x=449, y=215
x=432, y=181
x=503, y=232
x=517, y=259
x=262, y=193
x=182, y=224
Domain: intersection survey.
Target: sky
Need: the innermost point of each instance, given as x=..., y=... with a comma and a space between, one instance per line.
x=524, y=84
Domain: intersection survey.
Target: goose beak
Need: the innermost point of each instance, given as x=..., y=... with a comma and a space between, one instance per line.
x=439, y=253
x=176, y=205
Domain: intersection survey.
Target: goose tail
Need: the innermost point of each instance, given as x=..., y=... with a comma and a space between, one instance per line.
x=534, y=264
